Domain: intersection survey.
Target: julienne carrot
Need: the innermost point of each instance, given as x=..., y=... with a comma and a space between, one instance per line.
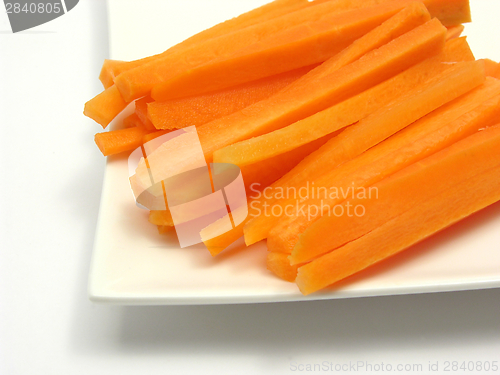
x=362, y=105
x=311, y=93
x=105, y=107
x=289, y=49
x=398, y=193
x=164, y=229
x=139, y=81
x=334, y=118
x=279, y=264
x=420, y=140
x=161, y=218
x=352, y=142
x=454, y=32
x=141, y=109
x=108, y=67
x=117, y=141
x=257, y=177
x=155, y=134
x=132, y=120
x=428, y=135
x=277, y=8
x=416, y=224
x=199, y=110
x=492, y=68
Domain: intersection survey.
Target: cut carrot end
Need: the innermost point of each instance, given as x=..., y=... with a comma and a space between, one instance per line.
x=105, y=107
x=118, y=141
x=279, y=264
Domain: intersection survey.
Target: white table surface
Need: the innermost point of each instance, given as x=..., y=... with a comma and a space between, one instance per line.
x=50, y=191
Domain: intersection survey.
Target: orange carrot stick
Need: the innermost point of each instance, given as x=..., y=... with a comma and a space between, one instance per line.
x=108, y=67
x=311, y=94
x=333, y=118
x=279, y=264
x=416, y=224
x=141, y=109
x=105, y=107
x=117, y=141
x=139, y=81
x=111, y=68
x=199, y=110
x=315, y=165
x=132, y=120
x=423, y=138
x=397, y=194
x=454, y=32
x=257, y=177
x=492, y=68
x=266, y=12
x=293, y=48
x=279, y=53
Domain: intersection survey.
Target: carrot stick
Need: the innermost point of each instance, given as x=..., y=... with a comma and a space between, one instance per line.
x=150, y=136
x=266, y=12
x=416, y=224
x=492, y=68
x=292, y=48
x=117, y=141
x=132, y=120
x=277, y=54
x=199, y=110
x=141, y=109
x=162, y=218
x=279, y=264
x=311, y=94
x=366, y=103
x=164, y=229
x=398, y=193
x=257, y=177
x=105, y=107
x=333, y=118
x=454, y=32
x=139, y=81
x=423, y=138
x=108, y=67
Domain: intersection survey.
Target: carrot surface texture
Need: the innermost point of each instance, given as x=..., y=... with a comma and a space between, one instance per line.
x=104, y=107
x=277, y=8
x=334, y=118
x=199, y=110
x=367, y=133
x=117, y=141
x=446, y=207
x=315, y=92
x=359, y=107
x=139, y=81
x=409, y=191
x=353, y=141
x=290, y=49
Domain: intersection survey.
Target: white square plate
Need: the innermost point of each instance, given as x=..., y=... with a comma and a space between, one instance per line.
x=134, y=265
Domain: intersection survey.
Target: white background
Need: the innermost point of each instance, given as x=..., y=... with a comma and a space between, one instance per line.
x=50, y=189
